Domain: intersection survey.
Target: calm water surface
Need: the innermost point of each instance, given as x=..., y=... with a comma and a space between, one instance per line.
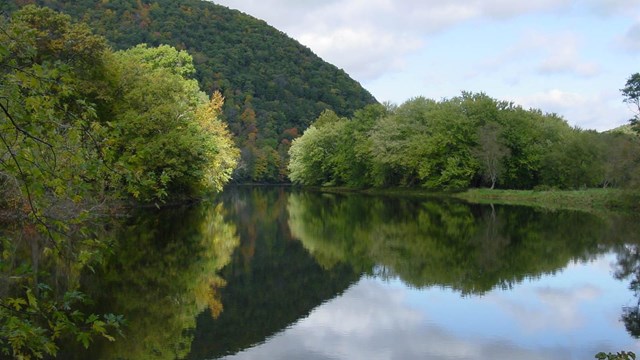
x=276, y=273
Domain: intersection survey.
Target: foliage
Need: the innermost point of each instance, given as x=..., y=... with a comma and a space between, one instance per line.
x=454, y=144
x=48, y=320
x=51, y=83
x=631, y=93
x=81, y=127
x=312, y=157
x=272, y=84
x=51, y=80
x=621, y=355
x=164, y=137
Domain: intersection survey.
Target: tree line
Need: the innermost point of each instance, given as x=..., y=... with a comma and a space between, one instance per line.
x=471, y=140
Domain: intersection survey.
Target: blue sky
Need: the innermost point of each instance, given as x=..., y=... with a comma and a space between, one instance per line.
x=570, y=57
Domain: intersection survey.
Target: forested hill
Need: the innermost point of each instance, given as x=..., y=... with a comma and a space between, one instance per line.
x=274, y=87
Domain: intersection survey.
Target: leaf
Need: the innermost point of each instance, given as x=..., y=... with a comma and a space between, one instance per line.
x=98, y=327
x=16, y=303
x=33, y=301
x=84, y=338
x=3, y=51
x=91, y=319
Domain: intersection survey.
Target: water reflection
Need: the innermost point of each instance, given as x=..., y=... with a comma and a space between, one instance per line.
x=628, y=268
x=272, y=280
x=375, y=319
x=278, y=273
x=472, y=249
x=161, y=275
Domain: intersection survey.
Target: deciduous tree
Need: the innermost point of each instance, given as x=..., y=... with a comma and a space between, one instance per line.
x=490, y=152
x=631, y=93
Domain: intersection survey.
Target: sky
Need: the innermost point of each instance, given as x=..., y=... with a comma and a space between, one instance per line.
x=569, y=57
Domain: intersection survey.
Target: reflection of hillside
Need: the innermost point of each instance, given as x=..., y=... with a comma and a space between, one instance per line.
x=161, y=275
x=472, y=249
x=272, y=281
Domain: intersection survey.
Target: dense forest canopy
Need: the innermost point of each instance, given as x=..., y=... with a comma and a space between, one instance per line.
x=273, y=86
x=471, y=140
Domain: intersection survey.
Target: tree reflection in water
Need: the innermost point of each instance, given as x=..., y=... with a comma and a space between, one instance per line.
x=160, y=276
x=628, y=267
x=472, y=249
x=240, y=260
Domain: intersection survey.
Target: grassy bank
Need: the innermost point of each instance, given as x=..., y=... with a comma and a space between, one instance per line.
x=586, y=200
x=591, y=200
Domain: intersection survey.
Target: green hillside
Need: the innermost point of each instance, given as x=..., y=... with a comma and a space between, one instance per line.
x=274, y=87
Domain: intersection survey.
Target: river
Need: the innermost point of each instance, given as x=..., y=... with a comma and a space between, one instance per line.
x=280, y=273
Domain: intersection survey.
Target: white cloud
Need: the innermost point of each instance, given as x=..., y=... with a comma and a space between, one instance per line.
x=555, y=100
x=369, y=38
x=367, y=53
x=601, y=111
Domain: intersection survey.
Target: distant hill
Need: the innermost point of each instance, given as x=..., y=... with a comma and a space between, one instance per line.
x=274, y=86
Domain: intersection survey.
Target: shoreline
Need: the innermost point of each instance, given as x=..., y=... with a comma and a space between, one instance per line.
x=589, y=200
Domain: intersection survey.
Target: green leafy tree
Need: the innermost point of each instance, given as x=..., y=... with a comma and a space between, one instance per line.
x=353, y=163
x=164, y=137
x=575, y=161
x=312, y=156
x=490, y=152
x=52, y=78
x=631, y=93
x=621, y=159
x=426, y=143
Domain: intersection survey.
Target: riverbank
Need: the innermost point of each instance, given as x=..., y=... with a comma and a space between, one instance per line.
x=587, y=200
x=591, y=200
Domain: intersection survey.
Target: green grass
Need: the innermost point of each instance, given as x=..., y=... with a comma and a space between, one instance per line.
x=591, y=200
x=586, y=200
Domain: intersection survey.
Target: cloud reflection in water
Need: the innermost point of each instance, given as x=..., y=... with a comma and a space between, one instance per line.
x=383, y=320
